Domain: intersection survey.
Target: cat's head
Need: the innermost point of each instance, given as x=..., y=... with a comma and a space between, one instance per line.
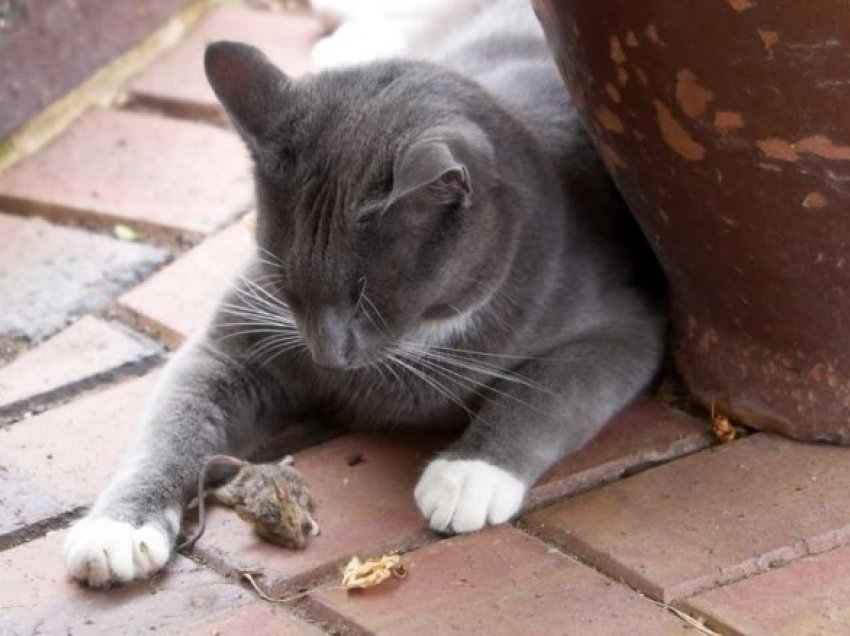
x=379, y=211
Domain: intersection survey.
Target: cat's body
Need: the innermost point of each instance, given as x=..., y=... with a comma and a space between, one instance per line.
x=437, y=244
x=368, y=30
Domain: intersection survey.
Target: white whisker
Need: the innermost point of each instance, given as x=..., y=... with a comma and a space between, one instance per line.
x=438, y=368
x=433, y=383
x=482, y=368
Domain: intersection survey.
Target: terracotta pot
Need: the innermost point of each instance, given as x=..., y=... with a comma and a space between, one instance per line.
x=726, y=125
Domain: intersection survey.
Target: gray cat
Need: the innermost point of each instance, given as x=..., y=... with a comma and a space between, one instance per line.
x=437, y=244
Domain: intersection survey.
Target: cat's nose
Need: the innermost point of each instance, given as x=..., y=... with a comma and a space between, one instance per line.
x=333, y=342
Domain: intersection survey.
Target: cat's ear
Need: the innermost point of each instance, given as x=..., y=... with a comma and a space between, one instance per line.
x=431, y=165
x=444, y=165
x=251, y=88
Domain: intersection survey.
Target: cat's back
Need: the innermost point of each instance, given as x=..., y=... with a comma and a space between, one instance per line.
x=502, y=47
x=498, y=33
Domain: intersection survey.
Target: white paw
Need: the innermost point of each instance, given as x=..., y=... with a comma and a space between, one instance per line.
x=103, y=551
x=465, y=495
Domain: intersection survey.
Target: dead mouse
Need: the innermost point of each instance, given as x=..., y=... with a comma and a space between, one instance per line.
x=273, y=498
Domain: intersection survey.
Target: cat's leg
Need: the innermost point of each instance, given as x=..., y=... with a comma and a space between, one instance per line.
x=561, y=403
x=205, y=404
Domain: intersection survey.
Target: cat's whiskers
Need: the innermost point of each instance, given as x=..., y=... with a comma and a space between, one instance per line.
x=271, y=348
x=434, y=383
x=506, y=356
x=379, y=362
x=263, y=295
x=261, y=313
x=276, y=261
x=386, y=364
x=476, y=366
x=365, y=298
x=250, y=318
x=482, y=388
x=443, y=363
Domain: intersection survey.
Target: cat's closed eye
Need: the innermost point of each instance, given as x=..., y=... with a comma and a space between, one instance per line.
x=369, y=214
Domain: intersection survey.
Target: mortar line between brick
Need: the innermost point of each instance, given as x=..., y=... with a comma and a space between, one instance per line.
x=712, y=621
x=598, y=476
x=169, y=338
x=303, y=607
x=681, y=595
x=103, y=86
x=17, y=411
x=608, y=575
x=176, y=109
x=328, y=616
x=308, y=580
x=40, y=528
x=782, y=557
x=175, y=239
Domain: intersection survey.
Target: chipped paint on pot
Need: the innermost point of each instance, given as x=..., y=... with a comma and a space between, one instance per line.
x=724, y=124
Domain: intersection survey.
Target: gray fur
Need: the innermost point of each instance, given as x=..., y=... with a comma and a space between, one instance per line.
x=395, y=199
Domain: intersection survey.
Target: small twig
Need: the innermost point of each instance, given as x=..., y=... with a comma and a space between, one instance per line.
x=248, y=575
x=697, y=624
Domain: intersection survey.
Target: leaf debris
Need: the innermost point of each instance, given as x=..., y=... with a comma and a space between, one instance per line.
x=362, y=574
x=723, y=429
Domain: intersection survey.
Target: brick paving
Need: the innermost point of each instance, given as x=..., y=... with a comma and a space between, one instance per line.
x=178, y=300
x=809, y=596
x=49, y=273
x=88, y=352
x=36, y=597
x=176, y=84
x=711, y=518
x=494, y=583
x=751, y=537
x=196, y=186
x=70, y=451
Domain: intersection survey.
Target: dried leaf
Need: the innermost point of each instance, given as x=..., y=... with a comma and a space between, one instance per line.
x=250, y=221
x=249, y=575
x=723, y=429
x=125, y=233
x=362, y=574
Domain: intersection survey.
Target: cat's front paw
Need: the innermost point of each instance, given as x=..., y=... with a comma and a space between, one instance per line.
x=101, y=551
x=465, y=495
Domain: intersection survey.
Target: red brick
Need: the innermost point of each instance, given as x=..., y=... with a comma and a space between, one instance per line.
x=88, y=351
x=155, y=174
x=72, y=450
x=254, y=619
x=365, y=507
x=644, y=434
x=181, y=298
x=809, y=596
x=176, y=82
x=37, y=597
x=25, y=507
x=710, y=518
x=500, y=581
x=49, y=273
